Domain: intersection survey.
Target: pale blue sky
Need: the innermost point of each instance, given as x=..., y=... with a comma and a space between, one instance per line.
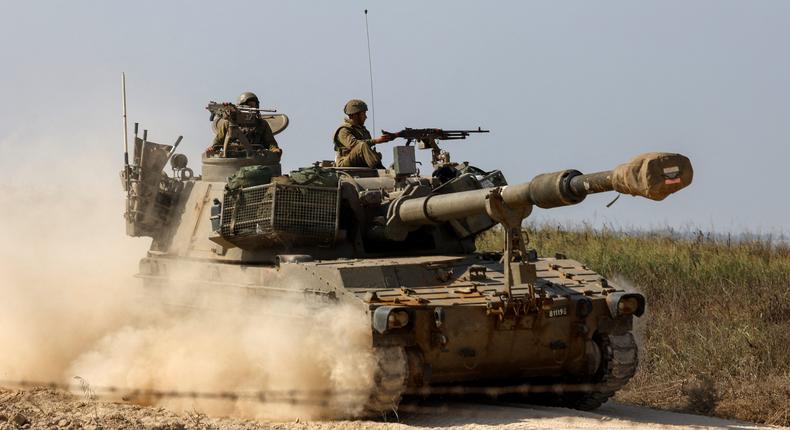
x=571, y=84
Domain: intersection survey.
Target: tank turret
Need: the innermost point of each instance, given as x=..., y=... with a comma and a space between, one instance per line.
x=363, y=212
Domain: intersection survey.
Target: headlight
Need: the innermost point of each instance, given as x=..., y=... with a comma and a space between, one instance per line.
x=386, y=318
x=628, y=305
x=624, y=304
x=397, y=319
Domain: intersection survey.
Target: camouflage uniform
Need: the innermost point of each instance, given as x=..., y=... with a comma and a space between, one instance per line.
x=354, y=147
x=259, y=134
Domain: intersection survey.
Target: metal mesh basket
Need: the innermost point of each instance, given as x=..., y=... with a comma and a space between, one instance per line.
x=280, y=214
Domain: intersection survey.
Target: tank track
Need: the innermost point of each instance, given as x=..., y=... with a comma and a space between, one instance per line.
x=390, y=381
x=619, y=359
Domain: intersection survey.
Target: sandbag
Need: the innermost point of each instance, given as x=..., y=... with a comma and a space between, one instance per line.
x=654, y=175
x=315, y=177
x=249, y=176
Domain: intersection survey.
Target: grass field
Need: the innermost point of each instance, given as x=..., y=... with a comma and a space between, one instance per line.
x=716, y=336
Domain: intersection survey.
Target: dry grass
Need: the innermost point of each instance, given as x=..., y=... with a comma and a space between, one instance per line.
x=716, y=338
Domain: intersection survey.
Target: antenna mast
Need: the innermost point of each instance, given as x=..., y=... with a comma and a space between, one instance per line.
x=370, y=67
x=127, y=171
x=125, y=128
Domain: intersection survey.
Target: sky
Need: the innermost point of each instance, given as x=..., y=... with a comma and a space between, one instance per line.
x=560, y=84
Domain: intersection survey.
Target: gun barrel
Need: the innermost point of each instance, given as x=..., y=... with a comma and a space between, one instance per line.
x=479, y=130
x=547, y=190
x=653, y=175
x=434, y=133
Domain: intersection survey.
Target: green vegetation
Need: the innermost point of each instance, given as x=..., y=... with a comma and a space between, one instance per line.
x=716, y=336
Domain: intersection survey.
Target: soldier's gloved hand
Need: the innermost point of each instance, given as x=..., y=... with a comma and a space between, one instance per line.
x=275, y=150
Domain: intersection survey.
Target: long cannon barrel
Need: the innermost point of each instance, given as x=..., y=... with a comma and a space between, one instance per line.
x=653, y=175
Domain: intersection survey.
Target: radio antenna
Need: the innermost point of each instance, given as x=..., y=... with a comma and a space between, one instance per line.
x=125, y=129
x=370, y=68
x=127, y=171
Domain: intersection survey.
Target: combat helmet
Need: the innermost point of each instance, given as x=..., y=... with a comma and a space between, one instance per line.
x=355, y=106
x=247, y=97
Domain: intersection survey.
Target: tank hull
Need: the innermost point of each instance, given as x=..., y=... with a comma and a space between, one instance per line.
x=453, y=336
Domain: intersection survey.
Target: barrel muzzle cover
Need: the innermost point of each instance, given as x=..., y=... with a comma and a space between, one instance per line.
x=654, y=175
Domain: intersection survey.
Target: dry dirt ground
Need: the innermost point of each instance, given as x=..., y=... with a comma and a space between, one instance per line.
x=50, y=409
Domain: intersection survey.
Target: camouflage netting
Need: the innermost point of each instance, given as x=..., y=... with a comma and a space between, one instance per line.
x=654, y=175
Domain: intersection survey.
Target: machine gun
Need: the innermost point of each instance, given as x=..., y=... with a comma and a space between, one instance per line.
x=238, y=117
x=427, y=138
x=425, y=134
x=231, y=111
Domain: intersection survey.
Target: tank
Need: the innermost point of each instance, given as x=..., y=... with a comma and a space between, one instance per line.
x=401, y=246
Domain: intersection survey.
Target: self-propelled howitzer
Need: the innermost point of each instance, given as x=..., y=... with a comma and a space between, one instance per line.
x=402, y=247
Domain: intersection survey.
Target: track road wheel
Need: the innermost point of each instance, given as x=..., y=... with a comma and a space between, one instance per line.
x=390, y=381
x=619, y=359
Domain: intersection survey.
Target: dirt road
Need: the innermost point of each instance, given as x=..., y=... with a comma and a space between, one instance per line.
x=49, y=409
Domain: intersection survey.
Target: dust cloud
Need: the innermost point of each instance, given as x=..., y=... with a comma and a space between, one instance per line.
x=71, y=307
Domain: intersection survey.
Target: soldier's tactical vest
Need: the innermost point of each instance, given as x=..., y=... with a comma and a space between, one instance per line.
x=359, y=133
x=253, y=130
x=250, y=125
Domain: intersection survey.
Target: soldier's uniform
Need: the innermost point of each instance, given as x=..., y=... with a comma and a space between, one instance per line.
x=354, y=148
x=257, y=130
x=259, y=133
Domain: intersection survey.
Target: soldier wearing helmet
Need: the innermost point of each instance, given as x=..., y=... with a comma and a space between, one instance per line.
x=258, y=132
x=353, y=142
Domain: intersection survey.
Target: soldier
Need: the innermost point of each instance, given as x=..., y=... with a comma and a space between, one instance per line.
x=258, y=134
x=353, y=142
